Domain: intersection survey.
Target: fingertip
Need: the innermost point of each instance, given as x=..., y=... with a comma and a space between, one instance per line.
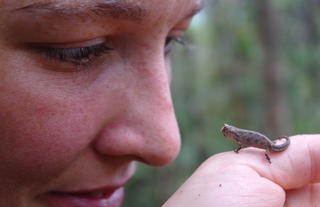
x=298, y=165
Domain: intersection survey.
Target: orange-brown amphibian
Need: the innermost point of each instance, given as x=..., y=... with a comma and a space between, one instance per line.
x=253, y=139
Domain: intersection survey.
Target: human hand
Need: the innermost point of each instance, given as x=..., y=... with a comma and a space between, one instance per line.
x=247, y=179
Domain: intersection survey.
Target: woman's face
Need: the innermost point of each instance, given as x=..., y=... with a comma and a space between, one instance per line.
x=84, y=93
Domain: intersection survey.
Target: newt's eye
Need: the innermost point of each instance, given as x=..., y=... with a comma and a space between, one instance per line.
x=77, y=56
x=169, y=42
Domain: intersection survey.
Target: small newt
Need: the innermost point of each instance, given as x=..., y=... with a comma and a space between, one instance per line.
x=254, y=139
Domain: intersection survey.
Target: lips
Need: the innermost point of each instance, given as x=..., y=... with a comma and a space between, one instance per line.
x=111, y=197
x=103, y=194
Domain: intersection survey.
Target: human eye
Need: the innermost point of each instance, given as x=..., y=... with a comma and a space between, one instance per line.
x=170, y=41
x=78, y=56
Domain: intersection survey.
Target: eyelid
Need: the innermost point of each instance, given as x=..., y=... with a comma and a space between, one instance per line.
x=77, y=44
x=82, y=56
x=177, y=33
x=184, y=24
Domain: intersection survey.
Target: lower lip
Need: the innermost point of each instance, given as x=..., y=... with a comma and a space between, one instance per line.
x=111, y=199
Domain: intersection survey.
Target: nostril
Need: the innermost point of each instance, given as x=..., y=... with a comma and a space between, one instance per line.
x=163, y=154
x=151, y=154
x=161, y=161
x=140, y=145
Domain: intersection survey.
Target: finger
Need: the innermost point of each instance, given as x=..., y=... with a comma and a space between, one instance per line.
x=227, y=186
x=293, y=168
x=306, y=196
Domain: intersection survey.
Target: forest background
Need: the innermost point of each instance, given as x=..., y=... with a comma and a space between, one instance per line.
x=254, y=64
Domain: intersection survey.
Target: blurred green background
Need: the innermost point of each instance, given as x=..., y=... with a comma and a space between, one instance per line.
x=251, y=63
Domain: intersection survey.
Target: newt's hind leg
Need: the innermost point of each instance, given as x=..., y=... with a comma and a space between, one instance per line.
x=267, y=156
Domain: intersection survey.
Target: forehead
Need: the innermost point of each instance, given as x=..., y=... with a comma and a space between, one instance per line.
x=129, y=9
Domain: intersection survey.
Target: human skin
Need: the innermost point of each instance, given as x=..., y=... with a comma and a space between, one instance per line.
x=246, y=179
x=72, y=128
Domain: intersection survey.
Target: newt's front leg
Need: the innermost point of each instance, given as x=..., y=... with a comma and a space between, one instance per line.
x=239, y=148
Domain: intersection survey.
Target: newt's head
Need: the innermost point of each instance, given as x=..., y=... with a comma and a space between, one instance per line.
x=228, y=131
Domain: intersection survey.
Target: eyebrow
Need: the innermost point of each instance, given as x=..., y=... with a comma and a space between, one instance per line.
x=117, y=9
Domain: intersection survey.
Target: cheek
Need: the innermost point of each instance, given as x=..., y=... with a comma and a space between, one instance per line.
x=42, y=133
x=34, y=142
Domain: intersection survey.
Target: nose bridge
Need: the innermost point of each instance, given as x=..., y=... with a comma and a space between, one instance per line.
x=151, y=85
x=147, y=127
x=152, y=88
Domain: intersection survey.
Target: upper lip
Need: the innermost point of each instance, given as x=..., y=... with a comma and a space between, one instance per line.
x=78, y=187
x=84, y=190
x=91, y=190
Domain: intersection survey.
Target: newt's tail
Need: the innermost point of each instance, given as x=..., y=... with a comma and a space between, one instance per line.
x=280, y=147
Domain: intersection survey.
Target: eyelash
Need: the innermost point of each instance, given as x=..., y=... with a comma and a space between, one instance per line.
x=178, y=40
x=85, y=55
x=77, y=56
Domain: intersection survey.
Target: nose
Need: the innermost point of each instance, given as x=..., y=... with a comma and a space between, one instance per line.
x=146, y=128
